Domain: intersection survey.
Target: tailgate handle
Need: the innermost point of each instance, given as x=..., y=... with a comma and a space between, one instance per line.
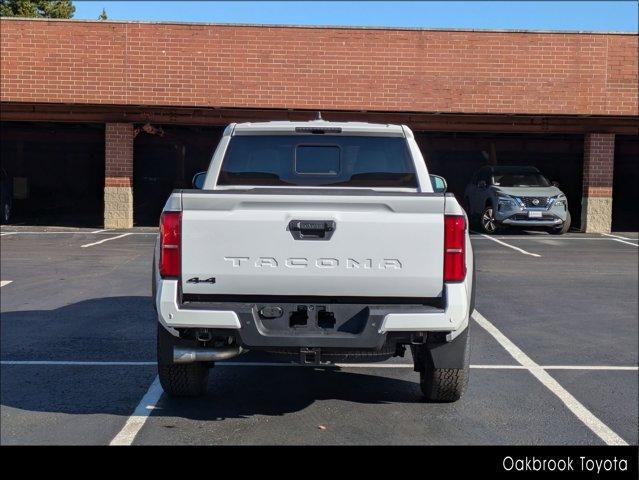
x=311, y=229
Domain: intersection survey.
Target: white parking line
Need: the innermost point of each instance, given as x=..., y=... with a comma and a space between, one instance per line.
x=136, y=421
x=340, y=365
x=579, y=410
x=521, y=250
x=620, y=239
x=589, y=367
x=623, y=241
x=105, y=240
x=540, y=238
x=616, y=236
x=5, y=282
x=7, y=233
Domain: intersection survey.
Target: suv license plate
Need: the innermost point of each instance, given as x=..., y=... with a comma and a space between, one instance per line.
x=534, y=214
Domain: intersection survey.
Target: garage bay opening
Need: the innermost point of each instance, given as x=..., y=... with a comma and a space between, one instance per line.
x=54, y=173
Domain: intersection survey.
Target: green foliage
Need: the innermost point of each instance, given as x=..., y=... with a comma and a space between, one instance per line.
x=37, y=8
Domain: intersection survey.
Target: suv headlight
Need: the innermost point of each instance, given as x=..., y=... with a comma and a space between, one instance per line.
x=506, y=203
x=561, y=201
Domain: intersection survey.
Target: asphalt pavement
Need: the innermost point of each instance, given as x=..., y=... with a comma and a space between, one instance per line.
x=78, y=351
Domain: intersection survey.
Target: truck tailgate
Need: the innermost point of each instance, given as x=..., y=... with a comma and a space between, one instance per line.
x=309, y=243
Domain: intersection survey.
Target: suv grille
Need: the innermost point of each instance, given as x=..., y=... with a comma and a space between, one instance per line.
x=535, y=202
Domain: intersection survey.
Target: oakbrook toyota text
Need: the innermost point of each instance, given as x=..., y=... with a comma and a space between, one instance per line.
x=565, y=464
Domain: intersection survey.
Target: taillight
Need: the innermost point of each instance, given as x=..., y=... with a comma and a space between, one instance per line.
x=454, y=248
x=170, y=244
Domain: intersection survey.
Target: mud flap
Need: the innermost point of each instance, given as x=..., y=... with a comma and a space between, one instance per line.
x=442, y=354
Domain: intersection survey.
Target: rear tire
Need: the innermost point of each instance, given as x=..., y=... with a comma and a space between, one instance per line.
x=443, y=385
x=180, y=380
x=187, y=380
x=564, y=227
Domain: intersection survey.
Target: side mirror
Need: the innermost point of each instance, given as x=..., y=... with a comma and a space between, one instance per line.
x=438, y=183
x=555, y=183
x=198, y=180
x=481, y=184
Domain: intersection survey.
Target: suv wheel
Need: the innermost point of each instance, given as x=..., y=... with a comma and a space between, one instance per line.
x=563, y=228
x=488, y=224
x=180, y=379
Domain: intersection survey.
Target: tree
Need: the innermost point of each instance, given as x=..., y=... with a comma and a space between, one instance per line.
x=37, y=8
x=103, y=15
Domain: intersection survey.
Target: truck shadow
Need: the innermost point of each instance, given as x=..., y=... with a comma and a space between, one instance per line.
x=122, y=329
x=241, y=392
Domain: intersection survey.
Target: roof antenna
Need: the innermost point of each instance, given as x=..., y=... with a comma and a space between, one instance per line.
x=319, y=116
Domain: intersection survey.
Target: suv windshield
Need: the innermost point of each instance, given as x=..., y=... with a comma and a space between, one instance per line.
x=312, y=160
x=522, y=179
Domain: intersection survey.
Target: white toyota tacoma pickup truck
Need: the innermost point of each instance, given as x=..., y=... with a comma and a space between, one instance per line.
x=329, y=242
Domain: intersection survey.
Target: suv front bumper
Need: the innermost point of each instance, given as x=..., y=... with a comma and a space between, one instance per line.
x=532, y=222
x=517, y=217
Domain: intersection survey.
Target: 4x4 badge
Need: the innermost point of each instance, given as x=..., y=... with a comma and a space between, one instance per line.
x=204, y=280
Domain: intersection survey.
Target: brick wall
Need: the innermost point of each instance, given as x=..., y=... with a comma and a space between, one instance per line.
x=327, y=68
x=118, y=154
x=599, y=157
x=596, y=202
x=118, y=182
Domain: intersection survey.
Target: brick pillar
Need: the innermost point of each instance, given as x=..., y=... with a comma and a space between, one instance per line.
x=596, y=202
x=118, y=181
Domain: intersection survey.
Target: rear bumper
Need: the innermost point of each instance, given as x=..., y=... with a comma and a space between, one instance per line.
x=172, y=315
x=356, y=325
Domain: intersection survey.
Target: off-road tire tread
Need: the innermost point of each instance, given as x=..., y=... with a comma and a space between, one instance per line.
x=444, y=384
x=187, y=380
x=182, y=379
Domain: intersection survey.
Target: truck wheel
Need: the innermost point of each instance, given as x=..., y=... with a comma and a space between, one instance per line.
x=564, y=227
x=187, y=380
x=488, y=224
x=180, y=380
x=442, y=384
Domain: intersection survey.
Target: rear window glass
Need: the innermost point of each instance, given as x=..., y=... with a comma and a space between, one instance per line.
x=313, y=160
x=317, y=160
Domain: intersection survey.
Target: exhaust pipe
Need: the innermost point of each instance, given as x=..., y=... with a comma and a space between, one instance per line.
x=190, y=355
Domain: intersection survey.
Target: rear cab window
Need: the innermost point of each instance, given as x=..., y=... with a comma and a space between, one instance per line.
x=277, y=160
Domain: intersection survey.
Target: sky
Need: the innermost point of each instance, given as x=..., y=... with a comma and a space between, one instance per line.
x=507, y=15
